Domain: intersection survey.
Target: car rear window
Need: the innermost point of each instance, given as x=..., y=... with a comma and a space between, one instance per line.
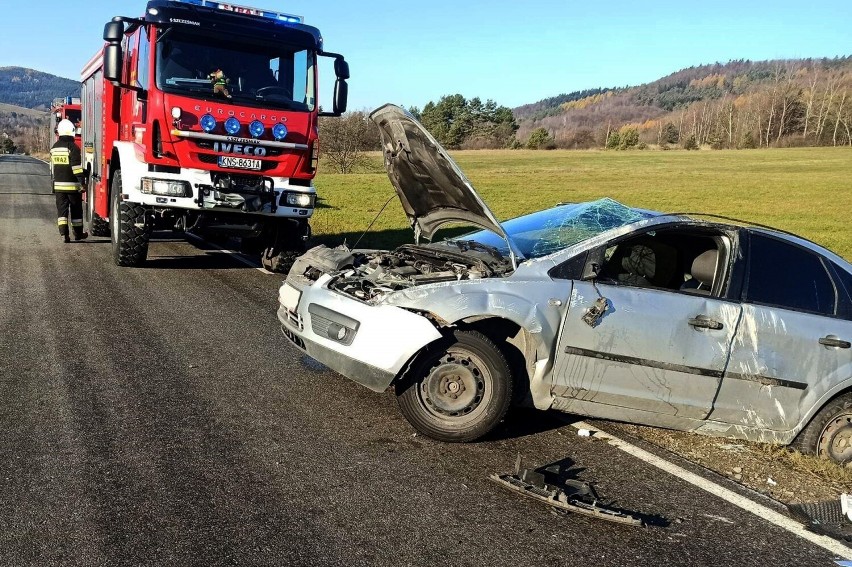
x=785, y=275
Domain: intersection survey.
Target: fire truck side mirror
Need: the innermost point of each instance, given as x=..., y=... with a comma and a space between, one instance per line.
x=113, y=34
x=341, y=68
x=341, y=95
x=341, y=89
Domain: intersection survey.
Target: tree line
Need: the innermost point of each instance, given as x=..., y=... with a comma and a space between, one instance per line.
x=741, y=104
x=456, y=122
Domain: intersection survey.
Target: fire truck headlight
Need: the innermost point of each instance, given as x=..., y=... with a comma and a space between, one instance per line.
x=303, y=200
x=208, y=123
x=232, y=126
x=279, y=131
x=176, y=112
x=172, y=188
x=256, y=128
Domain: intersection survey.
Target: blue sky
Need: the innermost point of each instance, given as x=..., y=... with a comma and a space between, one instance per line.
x=514, y=52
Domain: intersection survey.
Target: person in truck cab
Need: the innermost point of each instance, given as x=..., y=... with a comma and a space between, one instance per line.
x=67, y=167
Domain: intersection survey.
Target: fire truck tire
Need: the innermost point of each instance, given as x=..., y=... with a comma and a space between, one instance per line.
x=97, y=225
x=129, y=228
x=279, y=263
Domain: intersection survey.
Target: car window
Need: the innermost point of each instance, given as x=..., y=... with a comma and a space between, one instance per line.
x=844, y=291
x=788, y=276
x=677, y=259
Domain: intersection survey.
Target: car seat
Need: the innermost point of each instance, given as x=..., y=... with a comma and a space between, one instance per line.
x=702, y=273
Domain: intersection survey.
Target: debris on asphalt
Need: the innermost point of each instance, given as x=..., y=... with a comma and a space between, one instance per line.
x=571, y=496
x=825, y=517
x=770, y=482
x=584, y=433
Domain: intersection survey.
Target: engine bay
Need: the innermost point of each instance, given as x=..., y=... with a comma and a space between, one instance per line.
x=369, y=275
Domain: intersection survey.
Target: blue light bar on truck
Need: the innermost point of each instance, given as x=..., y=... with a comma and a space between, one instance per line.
x=269, y=14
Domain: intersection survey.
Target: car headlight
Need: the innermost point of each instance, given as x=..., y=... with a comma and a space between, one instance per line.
x=302, y=200
x=170, y=187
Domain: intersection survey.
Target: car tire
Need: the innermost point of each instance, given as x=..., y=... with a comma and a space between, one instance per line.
x=829, y=434
x=458, y=390
x=129, y=228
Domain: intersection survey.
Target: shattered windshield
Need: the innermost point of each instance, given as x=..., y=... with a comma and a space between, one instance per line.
x=254, y=74
x=545, y=232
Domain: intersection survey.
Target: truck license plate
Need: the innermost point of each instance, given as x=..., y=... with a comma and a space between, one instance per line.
x=238, y=162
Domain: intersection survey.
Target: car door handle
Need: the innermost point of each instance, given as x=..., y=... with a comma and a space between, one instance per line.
x=705, y=322
x=834, y=342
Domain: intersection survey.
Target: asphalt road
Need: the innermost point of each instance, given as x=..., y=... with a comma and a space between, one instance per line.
x=156, y=416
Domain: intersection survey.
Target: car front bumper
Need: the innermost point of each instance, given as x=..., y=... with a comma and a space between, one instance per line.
x=369, y=344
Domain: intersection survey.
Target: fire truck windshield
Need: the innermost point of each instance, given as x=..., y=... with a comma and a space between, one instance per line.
x=74, y=116
x=252, y=74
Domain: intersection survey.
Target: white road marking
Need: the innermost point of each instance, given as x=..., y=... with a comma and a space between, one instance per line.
x=236, y=255
x=747, y=504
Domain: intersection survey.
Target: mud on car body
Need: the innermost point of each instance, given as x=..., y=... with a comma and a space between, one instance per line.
x=598, y=309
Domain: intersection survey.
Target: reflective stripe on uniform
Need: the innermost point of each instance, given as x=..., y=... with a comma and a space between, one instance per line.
x=65, y=186
x=62, y=221
x=77, y=170
x=76, y=222
x=60, y=156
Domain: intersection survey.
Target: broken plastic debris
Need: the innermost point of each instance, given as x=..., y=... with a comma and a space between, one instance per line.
x=770, y=482
x=584, y=433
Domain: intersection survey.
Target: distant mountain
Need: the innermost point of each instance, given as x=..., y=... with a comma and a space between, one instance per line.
x=735, y=104
x=34, y=89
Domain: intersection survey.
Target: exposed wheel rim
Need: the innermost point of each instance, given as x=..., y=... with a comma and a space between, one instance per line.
x=458, y=387
x=835, y=442
x=114, y=218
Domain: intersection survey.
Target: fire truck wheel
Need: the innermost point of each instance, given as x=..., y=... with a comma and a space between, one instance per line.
x=97, y=225
x=130, y=231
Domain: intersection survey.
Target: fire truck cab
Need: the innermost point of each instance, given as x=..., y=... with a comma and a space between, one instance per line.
x=62, y=109
x=202, y=116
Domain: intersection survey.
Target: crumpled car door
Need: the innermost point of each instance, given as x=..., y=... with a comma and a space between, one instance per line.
x=652, y=350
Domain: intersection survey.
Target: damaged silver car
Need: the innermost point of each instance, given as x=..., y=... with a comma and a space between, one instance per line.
x=597, y=309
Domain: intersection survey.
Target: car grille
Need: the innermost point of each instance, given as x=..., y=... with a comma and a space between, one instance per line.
x=319, y=325
x=295, y=319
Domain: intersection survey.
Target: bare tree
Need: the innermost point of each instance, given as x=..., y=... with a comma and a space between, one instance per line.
x=344, y=140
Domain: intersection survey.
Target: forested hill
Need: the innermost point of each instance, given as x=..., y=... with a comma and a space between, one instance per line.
x=33, y=89
x=736, y=104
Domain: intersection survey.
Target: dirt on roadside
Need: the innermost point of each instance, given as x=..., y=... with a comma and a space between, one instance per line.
x=778, y=472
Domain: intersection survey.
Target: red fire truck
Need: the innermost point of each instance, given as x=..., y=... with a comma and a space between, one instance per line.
x=62, y=108
x=202, y=116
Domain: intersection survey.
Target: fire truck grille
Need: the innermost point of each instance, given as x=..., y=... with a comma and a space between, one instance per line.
x=246, y=180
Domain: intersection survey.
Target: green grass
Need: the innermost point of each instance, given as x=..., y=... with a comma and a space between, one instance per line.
x=807, y=191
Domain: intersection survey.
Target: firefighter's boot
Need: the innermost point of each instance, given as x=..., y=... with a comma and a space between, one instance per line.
x=63, y=229
x=77, y=228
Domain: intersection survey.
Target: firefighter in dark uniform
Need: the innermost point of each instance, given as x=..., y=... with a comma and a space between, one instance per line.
x=67, y=166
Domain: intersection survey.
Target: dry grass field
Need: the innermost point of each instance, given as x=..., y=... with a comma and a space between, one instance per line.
x=803, y=190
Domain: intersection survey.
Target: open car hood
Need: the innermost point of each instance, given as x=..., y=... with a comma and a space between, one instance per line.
x=432, y=188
